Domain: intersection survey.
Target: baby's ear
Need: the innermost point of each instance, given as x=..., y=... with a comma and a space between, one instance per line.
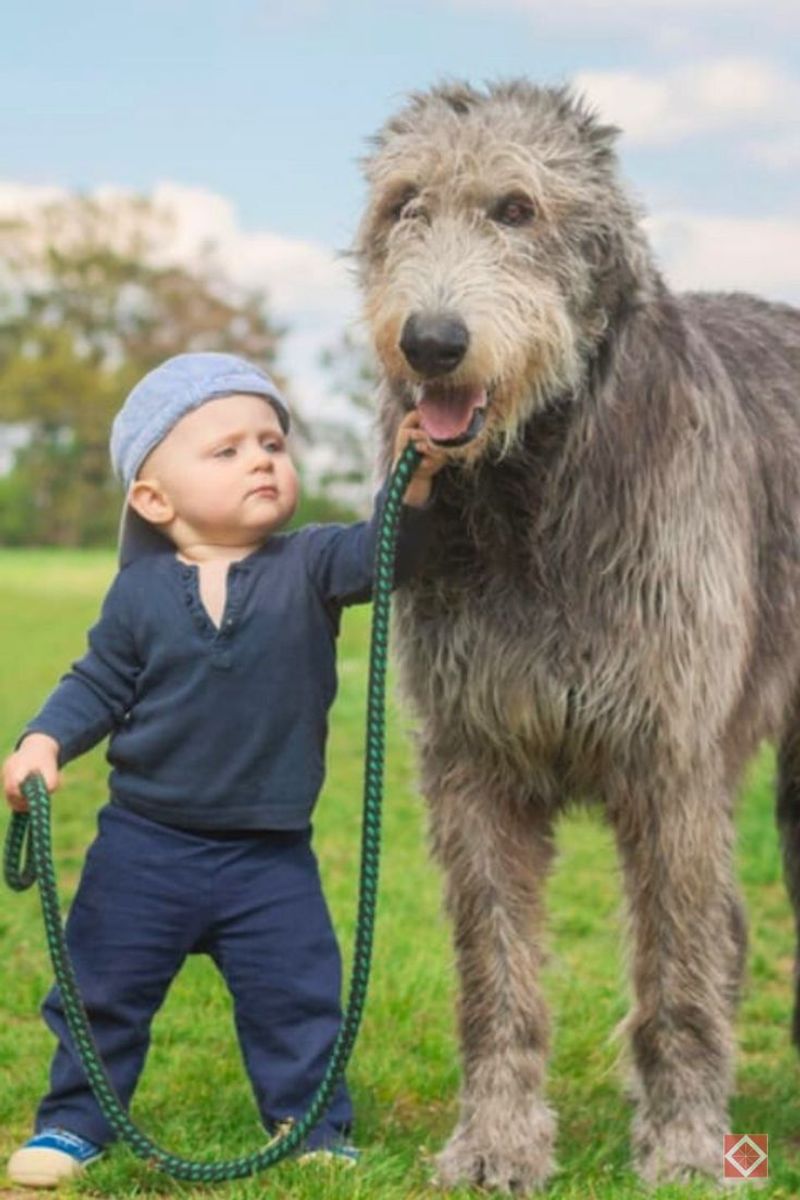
x=149, y=500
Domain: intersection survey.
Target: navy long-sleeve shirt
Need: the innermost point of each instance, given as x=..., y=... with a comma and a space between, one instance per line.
x=222, y=728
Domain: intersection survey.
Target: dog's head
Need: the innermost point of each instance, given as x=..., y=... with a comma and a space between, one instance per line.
x=496, y=249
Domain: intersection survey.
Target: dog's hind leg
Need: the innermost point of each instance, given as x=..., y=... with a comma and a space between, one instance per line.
x=789, y=827
x=496, y=853
x=675, y=836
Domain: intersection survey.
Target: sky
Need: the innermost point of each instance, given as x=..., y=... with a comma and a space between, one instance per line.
x=247, y=118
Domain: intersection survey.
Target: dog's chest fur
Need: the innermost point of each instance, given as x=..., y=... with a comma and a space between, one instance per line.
x=498, y=625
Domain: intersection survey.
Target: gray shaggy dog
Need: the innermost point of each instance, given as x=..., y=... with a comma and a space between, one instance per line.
x=610, y=608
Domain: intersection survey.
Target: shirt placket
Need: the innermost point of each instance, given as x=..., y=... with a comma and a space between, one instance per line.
x=218, y=639
x=221, y=649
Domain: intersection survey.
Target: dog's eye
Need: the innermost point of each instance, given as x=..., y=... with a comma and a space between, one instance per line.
x=514, y=210
x=404, y=205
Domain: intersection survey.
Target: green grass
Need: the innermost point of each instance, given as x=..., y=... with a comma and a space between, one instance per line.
x=194, y=1097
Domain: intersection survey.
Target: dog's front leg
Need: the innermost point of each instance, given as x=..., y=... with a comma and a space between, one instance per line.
x=496, y=852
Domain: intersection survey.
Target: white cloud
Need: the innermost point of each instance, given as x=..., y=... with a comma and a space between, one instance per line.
x=302, y=277
x=703, y=252
x=707, y=97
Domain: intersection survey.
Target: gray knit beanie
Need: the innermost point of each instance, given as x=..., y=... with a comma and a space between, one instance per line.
x=154, y=407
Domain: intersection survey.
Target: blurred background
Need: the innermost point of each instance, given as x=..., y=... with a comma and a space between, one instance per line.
x=183, y=174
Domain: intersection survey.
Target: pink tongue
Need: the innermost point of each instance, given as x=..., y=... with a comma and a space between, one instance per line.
x=446, y=412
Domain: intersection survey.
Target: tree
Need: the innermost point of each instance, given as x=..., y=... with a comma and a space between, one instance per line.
x=90, y=301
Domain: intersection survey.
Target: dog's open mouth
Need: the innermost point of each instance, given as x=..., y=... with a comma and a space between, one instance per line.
x=451, y=416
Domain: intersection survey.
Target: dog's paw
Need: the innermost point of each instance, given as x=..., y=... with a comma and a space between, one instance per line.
x=678, y=1152
x=516, y=1160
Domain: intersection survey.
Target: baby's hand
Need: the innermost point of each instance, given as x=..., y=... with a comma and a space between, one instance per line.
x=38, y=752
x=433, y=458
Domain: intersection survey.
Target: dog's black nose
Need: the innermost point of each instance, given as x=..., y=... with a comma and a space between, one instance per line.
x=434, y=344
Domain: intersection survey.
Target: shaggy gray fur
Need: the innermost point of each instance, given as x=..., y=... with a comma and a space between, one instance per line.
x=611, y=607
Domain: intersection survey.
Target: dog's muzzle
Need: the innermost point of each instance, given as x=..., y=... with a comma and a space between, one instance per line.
x=433, y=345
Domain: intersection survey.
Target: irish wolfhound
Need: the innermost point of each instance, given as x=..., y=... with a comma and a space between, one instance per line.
x=611, y=606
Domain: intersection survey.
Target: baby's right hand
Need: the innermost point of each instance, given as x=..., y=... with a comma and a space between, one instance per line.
x=38, y=752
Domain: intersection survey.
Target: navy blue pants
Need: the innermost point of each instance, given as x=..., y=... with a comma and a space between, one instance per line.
x=148, y=896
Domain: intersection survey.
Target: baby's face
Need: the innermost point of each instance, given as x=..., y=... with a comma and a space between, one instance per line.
x=227, y=470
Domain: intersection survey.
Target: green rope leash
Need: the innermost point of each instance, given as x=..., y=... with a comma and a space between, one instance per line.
x=34, y=827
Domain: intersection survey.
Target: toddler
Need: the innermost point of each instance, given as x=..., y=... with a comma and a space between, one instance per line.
x=212, y=667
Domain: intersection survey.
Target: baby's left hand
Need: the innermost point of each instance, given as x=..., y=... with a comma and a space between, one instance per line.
x=433, y=459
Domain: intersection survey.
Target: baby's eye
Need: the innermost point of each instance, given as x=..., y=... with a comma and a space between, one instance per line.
x=225, y=452
x=273, y=447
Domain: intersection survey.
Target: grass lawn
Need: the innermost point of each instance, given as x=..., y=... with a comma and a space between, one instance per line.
x=194, y=1097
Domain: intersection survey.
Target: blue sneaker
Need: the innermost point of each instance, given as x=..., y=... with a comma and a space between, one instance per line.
x=51, y=1156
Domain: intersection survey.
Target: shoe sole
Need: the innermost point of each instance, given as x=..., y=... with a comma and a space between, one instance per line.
x=327, y=1158
x=42, y=1168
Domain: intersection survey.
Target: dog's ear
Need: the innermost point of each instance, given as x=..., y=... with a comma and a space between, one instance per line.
x=616, y=246
x=455, y=96
x=624, y=273
x=601, y=140
x=596, y=135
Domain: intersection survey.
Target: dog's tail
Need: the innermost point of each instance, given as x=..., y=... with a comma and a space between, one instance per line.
x=789, y=827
